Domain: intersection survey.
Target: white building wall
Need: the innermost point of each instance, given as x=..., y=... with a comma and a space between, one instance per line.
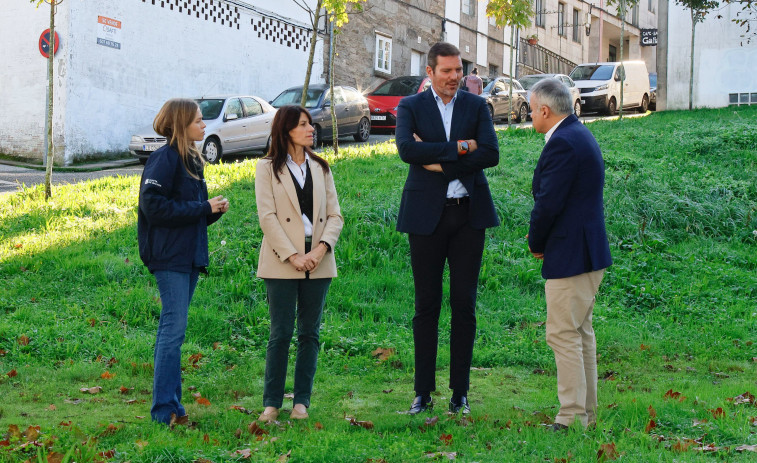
x=721, y=64
x=23, y=78
x=107, y=93
x=482, y=41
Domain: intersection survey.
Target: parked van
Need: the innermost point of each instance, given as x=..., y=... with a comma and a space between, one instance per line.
x=600, y=86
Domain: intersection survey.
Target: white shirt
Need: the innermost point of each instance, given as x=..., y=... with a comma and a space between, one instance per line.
x=549, y=133
x=455, y=188
x=299, y=171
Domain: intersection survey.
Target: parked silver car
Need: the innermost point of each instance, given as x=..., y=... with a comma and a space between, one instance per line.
x=497, y=95
x=575, y=93
x=353, y=116
x=234, y=124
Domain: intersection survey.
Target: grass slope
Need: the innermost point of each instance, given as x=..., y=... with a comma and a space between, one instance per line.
x=675, y=318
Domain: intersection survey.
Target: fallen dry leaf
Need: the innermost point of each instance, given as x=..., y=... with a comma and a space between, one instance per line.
x=431, y=421
x=285, y=457
x=746, y=448
x=256, y=430
x=362, y=424
x=65, y=423
x=613, y=405
x=683, y=446
x=745, y=398
x=446, y=438
x=216, y=345
x=23, y=340
x=203, y=401
x=91, y=390
x=607, y=452
x=383, y=353
x=32, y=433
x=141, y=444
x=3, y=352
x=652, y=412
x=12, y=374
x=107, y=375
x=55, y=457
x=318, y=425
x=194, y=358
x=650, y=426
x=718, y=413
x=643, y=347
x=244, y=453
x=52, y=407
x=387, y=391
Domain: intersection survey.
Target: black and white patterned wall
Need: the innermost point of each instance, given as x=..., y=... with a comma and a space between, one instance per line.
x=226, y=14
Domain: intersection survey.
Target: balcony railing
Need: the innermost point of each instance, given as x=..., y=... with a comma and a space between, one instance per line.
x=539, y=59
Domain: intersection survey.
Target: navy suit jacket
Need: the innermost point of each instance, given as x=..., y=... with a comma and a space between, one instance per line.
x=568, y=222
x=425, y=192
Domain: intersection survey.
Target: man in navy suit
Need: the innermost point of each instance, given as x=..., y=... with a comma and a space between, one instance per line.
x=447, y=138
x=567, y=231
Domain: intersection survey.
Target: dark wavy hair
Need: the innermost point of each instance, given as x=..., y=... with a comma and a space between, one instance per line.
x=287, y=118
x=441, y=49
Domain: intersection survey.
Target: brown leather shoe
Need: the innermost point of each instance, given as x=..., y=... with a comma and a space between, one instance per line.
x=298, y=415
x=269, y=417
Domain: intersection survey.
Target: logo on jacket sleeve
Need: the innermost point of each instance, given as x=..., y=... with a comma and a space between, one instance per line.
x=150, y=181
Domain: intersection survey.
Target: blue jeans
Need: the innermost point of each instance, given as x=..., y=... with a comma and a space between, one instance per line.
x=287, y=298
x=176, y=289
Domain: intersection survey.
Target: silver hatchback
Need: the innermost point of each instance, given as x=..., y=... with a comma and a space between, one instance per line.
x=235, y=124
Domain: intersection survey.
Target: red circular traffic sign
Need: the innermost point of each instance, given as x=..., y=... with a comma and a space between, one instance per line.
x=44, y=43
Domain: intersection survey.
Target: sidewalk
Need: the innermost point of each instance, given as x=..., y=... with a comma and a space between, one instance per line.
x=88, y=167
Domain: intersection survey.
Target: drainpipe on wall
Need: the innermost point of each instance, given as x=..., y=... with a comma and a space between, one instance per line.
x=443, y=37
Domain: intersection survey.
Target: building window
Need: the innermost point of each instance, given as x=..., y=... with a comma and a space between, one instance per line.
x=383, y=61
x=635, y=15
x=561, y=19
x=650, y=5
x=469, y=7
x=539, y=12
x=576, y=26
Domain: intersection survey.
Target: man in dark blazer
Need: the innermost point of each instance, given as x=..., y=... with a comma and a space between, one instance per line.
x=567, y=231
x=447, y=138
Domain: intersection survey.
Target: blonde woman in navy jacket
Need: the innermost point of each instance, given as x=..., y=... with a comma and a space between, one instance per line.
x=174, y=214
x=301, y=221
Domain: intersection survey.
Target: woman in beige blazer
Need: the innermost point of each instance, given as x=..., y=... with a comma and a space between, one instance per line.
x=301, y=221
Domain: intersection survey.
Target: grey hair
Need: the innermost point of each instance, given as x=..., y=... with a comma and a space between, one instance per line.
x=552, y=93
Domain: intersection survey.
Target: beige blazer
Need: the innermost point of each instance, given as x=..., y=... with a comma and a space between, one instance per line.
x=281, y=220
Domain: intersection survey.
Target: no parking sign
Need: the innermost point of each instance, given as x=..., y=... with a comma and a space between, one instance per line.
x=44, y=43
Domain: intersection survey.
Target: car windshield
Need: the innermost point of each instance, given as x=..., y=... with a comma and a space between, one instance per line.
x=529, y=81
x=403, y=86
x=294, y=96
x=593, y=72
x=488, y=88
x=210, y=108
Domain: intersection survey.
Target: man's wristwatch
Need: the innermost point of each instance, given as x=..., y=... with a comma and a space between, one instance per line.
x=462, y=147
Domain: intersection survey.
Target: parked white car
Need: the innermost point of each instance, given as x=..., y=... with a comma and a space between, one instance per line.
x=234, y=124
x=530, y=80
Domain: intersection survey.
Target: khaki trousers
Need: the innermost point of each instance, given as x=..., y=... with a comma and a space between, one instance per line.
x=570, y=302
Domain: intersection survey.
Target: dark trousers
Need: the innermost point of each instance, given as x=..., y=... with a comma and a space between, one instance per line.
x=453, y=241
x=287, y=299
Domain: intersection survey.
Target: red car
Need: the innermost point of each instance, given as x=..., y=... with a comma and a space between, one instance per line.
x=383, y=100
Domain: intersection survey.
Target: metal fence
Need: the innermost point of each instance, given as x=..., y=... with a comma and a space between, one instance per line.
x=539, y=59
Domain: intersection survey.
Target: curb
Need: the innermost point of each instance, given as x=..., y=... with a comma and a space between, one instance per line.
x=91, y=167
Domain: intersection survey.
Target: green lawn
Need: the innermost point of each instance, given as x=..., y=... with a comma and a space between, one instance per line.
x=676, y=318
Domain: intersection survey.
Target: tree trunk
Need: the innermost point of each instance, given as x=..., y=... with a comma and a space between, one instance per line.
x=334, y=124
x=623, y=73
x=691, y=70
x=50, y=144
x=512, y=44
x=316, y=17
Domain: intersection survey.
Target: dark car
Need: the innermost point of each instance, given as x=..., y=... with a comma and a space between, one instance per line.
x=383, y=100
x=497, y=94
x=352, y=114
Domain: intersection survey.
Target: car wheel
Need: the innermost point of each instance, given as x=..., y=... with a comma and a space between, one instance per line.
x=363, y=130
x=212, y=150
x=644, y=104
x=491, y=111
x=316, y=136
x=611, y=107
x=522, y=113
x=577, y=108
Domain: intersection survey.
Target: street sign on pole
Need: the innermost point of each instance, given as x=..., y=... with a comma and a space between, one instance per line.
x=44, y=43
